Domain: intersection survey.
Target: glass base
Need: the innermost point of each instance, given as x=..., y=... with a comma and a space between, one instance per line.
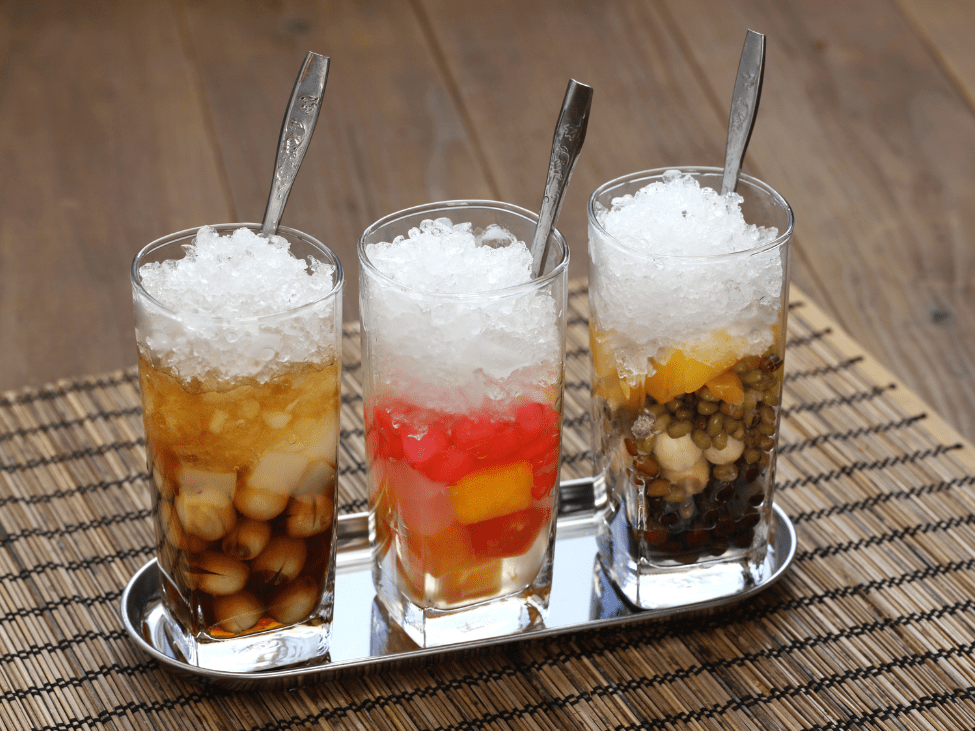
x=432, y=627
x=654, y=586
x=261, y=651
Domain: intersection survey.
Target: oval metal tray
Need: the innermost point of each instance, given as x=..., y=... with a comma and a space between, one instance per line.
x=362, y=640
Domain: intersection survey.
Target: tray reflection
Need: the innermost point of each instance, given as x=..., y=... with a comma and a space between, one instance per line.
x=362, y=639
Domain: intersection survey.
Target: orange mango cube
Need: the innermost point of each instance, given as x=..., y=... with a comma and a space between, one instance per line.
x=475, y=581
x=492, y=492
x=727, y=387
x=689, y=369
x=603, y=360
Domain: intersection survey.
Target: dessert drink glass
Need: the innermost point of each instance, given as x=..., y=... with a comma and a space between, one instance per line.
x=687, y=366
x=241, y=418
x=463, y=411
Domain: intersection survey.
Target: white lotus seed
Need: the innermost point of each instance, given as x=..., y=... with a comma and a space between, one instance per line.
x=208, y=514
x=732, y=451
x=281, y=560
x=260, y=504
x=692, y=480
x=309, y=515
x=677, y=455
x=247, y=540
x=218, y=574
x=294, y=602
x=238, y=612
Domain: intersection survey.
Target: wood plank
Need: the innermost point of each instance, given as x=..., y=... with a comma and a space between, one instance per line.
x=104, y=147
x=390, y=135
x=861, y=130
x=858, y=129
x=947, y=28
x=511, y=62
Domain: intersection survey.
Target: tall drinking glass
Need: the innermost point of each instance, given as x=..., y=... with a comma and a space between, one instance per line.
x=463, y=387
x=241, y=417
x=687, y=335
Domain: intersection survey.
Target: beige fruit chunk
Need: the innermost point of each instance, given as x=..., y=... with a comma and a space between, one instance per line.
x=322, y=438
x=238, y=612
x=277, y=472
x=218, y=574
x=317, y=479
x=281, y=560
x=192, y=480
x=276, y=419
x=294, y=602
x=217, y=421
x=247, y=540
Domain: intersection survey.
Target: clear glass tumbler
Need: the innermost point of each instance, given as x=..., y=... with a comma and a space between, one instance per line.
x=241, y=418
x=687, y=366
x=463, y=412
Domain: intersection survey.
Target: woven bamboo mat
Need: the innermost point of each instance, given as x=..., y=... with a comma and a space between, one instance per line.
x=873, y=627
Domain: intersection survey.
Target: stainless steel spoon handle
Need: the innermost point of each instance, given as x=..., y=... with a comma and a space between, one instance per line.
x=570, y=133
x=296, y=130
x=744, y=107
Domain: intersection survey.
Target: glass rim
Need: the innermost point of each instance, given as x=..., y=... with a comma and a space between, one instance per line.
x=188, y=233
x=558, y=270
x=655, y=174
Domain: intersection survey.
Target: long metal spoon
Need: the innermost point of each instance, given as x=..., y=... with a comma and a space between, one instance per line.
x=744, y=107
x=296, y=130
x=570, y=133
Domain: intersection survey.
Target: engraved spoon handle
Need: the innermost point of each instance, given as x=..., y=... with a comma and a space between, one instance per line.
x=570, y=133
x=744, y=107
x=296, y=130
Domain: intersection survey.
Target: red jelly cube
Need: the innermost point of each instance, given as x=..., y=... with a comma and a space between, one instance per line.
x=468, y=433
x=509, y=535
x=450, y=466
x=421, y=450
x=382, y=439
x=544, y=474
x=541, y=447
x=504, y=444
x=534, y=420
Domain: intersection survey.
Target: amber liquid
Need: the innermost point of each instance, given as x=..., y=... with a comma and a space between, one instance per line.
x=688, y=455
x=465, y=511
x=244, y=476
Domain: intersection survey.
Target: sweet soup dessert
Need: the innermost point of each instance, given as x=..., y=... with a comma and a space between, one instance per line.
x=463, y=411
x=686, y=337
x=239, y=372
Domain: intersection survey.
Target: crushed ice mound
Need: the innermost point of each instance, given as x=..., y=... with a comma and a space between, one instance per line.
x=234, y=299
x=690, y=265
x=455, y=317
x=240, y=275
x=438, y=256
x=677, y=217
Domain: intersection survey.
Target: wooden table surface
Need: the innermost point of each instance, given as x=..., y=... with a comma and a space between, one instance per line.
x=122, y=122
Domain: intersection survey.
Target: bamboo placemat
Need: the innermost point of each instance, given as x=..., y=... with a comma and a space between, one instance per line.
x=873, y=626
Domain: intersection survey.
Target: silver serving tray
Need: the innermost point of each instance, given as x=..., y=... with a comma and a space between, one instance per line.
x=362, y=641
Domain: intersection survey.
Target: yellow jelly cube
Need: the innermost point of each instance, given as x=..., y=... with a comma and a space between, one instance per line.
x=477, y=581
x=603, y=359
x=492, y=492
x=689, y=369
x=727, y=387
